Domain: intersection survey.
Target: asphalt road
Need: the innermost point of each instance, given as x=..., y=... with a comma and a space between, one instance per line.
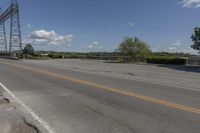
x=73, y=101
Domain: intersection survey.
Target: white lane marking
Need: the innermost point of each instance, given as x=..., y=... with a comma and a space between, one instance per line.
x=29, y=111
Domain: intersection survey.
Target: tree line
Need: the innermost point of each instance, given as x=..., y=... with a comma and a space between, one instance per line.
x=136, y=49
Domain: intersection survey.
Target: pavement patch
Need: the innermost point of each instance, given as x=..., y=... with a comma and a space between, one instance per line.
x=4, y=101
x=43, y=125
x=12, y=119
x=23, y=128
x=131, y=74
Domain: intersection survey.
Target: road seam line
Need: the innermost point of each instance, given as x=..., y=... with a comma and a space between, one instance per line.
x=114, y=90
x=29, y=110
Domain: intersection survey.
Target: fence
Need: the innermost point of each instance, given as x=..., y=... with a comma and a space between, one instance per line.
x=194, y=60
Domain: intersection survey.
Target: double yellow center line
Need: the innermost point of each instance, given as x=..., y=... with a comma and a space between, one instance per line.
x=110, y=89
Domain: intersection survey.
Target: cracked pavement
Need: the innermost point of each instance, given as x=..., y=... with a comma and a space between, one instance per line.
x=11, y=119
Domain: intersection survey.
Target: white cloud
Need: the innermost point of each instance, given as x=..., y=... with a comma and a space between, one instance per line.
x=177, y=43
x=178, y=47
x=96, y=47
x=189, y=50
x=95, y=43
x=181, y=50
x=131, y=24
x=69, y=45
x=190, y=3
x=172, y=49
x=156, y=49
x=48, y=37
x=29, y=25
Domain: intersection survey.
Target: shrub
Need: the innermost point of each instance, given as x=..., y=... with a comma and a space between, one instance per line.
x=167, y=60
x=28, y=49
x=54, y=56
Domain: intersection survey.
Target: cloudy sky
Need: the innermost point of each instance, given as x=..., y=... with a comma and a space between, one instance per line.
x=100, y=25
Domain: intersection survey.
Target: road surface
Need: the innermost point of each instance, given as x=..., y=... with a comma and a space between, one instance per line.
x=75, y=101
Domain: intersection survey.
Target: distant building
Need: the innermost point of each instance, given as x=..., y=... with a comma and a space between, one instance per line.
x=44, y=54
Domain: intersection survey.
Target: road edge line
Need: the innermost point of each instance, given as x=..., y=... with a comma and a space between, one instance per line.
x=29, y=110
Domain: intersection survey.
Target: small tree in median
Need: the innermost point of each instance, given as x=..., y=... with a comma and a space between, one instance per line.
x=135, y=48
x=28, y=49
x=196, y=39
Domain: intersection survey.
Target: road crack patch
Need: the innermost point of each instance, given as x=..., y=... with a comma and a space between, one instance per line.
x=131, y=74
x=23, y=127
x=15, y=120
x=31, y=125
x=4, y=101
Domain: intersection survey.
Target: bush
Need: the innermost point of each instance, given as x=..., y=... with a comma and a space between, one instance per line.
x=54, y=56
x=28, y=49
x=167, y=60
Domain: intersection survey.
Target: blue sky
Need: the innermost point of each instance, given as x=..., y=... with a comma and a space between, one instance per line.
x=100, y=25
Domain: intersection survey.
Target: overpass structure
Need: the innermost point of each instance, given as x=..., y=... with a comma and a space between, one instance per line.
x=12, y=44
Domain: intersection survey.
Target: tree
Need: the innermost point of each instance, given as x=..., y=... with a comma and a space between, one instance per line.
x=28, y=49
x=196, y=39
x=134, y=48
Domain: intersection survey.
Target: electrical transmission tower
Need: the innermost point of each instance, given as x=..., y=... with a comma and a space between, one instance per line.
x=15, y=41
x=3, y=42
x=15, y=32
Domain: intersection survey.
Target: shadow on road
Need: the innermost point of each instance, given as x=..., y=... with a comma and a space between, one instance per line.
x=195, y=69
